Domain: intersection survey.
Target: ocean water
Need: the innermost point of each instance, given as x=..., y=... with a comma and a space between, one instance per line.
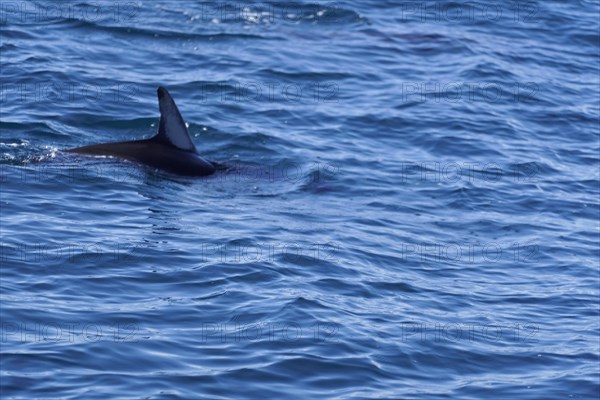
x=411, y=208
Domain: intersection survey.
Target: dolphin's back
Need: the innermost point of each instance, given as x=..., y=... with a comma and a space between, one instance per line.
x=153, y=154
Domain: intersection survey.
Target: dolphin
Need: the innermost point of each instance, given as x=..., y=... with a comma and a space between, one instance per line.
x=170, y=150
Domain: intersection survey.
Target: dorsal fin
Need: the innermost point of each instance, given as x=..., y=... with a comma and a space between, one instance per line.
x=172, y=130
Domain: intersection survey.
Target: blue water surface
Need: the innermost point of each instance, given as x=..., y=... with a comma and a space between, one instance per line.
x=411, y=208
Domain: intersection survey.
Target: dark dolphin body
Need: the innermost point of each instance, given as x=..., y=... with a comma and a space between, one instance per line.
x=171, y=149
